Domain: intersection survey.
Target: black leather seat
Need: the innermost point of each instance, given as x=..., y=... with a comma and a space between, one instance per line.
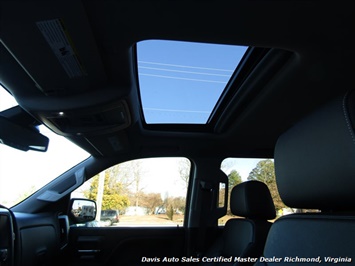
x=245, y=237
x=315, y=169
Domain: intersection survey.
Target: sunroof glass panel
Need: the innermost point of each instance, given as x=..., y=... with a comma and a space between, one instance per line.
x=181, y=82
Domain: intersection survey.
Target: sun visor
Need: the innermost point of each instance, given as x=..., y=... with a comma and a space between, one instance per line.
x=60, y=54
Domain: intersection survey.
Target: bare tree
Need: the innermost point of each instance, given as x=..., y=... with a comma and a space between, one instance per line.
x=151, y=201
x=130, y=175
x=184, y=166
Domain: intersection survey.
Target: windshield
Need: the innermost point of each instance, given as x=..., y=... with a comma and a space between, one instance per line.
x=23, y=173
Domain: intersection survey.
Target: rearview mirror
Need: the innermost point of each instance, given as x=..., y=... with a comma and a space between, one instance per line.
x=82, y=210
x=20, y=137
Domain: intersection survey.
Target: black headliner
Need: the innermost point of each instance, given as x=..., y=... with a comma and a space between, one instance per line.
x=311, y=60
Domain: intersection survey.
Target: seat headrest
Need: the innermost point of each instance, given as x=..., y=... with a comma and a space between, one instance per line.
x=252, y=199
x=315, y=159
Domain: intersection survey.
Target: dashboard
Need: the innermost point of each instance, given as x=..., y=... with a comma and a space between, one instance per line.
x=31, y=239
x=7, y=237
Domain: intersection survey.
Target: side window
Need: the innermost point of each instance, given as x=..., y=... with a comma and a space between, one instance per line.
x=141, y=192
x=221, y=195
x=240, y=170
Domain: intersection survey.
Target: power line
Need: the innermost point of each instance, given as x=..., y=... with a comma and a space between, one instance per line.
x=182, y=71
x=176, y=111
x=206, y=68
x=169, y=77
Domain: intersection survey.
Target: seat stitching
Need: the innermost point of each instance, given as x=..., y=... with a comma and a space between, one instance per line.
x=347, y=118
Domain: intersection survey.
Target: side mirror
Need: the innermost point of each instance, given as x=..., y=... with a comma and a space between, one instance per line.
x=82, y=210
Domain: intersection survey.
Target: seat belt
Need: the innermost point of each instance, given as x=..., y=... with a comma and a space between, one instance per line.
x=206, y=189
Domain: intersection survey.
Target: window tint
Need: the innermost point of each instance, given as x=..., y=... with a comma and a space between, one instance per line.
x=141, y=192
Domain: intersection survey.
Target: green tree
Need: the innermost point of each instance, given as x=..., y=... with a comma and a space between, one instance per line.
x=265, y=172
x=170, y=212
x=234, y=179
x=112, y=197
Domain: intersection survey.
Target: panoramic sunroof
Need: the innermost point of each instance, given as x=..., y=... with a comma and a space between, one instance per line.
x=181, y=82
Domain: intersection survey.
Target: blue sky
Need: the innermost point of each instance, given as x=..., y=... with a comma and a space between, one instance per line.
x=180, y=82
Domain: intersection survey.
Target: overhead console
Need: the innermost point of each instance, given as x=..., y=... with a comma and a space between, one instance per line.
x=60, y=76
x=89, y=122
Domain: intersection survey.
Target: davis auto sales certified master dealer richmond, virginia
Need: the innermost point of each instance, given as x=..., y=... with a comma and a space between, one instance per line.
x=249, y=259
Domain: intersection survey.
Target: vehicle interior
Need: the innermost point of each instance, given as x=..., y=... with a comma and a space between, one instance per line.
x=79, y=70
